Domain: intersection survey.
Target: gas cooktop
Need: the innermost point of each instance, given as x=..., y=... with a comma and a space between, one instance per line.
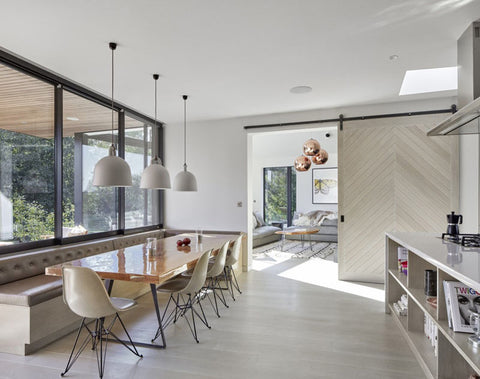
x=468, y=240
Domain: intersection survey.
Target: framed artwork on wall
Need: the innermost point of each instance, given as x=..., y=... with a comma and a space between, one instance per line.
x=325, y=185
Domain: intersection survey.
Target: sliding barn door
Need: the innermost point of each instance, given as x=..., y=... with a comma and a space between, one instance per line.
x=392, y=178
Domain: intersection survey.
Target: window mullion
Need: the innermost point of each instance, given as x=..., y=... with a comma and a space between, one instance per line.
x=58, y=161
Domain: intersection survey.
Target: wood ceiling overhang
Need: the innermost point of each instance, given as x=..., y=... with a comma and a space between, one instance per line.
x=27, y=107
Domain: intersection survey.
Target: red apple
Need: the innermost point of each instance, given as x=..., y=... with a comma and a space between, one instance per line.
x=180, y=243
x=186, y=241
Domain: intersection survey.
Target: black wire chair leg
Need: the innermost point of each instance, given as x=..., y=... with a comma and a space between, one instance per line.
x=94, y=336
x=215, y=298
x=166, y=320
x=210, y=300
x=134, y=350
x=228, y=281
x=101, y=355
x=222, y=298
x=166, y=308
x=176, y=309
x=204, y=319
x=194, y=329
x=72, y=359
x=237, y=287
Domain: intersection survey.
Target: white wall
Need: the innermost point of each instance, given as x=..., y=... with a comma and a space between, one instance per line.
x=217, y=155
x=277, y=149
x=469, y=183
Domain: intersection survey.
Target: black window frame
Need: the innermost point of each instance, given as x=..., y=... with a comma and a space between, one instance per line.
x=289, y=192
x=60, y=84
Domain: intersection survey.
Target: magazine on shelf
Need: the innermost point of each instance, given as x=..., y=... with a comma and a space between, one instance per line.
x=461, y=301
x=447, y=302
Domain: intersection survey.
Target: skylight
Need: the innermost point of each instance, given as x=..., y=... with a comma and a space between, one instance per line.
x=429, y=80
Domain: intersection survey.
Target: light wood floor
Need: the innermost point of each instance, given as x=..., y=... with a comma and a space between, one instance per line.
x=280, y=327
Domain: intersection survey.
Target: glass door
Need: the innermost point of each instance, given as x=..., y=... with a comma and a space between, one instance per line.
x=279, y=194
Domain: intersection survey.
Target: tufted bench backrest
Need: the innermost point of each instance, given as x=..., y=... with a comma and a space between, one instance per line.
x=24, y=265
x=136, y=239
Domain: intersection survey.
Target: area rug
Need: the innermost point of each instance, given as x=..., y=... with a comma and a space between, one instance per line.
x=294, y=249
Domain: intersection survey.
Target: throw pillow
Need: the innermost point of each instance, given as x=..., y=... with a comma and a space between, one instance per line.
x=321, y=215
x=259, y=218
x=302, y=220
x=254, y=222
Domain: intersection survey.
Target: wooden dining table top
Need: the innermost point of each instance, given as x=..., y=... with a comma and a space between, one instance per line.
x=135, y=264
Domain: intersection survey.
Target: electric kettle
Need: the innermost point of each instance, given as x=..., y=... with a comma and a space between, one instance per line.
x=453, y=221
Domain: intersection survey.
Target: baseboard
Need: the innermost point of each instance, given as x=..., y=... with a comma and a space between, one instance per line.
x=37, y=345
x=361, y=277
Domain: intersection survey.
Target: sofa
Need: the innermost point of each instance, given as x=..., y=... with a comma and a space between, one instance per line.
x=326, y=221
x=263, y=233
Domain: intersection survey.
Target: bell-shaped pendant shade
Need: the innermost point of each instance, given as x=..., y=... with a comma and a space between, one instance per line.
x=185, y=181
x=112, y=171
x=155, y=176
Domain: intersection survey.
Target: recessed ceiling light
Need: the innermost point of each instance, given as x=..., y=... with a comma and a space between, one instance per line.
x=300, y=89
x=393, y=57
x=429, y=80
x=73, y=118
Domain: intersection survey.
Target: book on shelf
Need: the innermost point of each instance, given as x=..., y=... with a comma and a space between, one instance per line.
x=461, y=301
x=432, y=300
x=402, y=253
x=447, y=304
x=431, y=332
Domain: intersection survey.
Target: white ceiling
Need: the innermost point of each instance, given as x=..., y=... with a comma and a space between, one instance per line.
x=239, y=58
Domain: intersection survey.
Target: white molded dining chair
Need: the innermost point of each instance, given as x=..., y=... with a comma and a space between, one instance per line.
x=85, y=295
x=215, y=270
x=232, y=258
x=190, y=287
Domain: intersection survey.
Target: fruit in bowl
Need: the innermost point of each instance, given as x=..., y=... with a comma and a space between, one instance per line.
x=186, y=241
x=180, y=243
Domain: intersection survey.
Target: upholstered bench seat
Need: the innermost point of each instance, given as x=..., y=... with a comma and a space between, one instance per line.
x=32, y=312
x=31, y=291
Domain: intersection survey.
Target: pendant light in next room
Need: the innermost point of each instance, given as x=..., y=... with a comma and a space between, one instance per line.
x=155, y=176
x=185, y=180
x=112, y=171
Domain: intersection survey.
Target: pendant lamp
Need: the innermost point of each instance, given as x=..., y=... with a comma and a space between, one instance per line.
x=155, y=176
x=185, y=180
x=112, y=171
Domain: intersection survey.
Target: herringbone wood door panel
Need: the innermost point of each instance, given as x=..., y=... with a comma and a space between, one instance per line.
x=392, y=178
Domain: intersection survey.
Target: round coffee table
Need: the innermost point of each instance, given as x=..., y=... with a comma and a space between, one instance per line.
x=302, y=232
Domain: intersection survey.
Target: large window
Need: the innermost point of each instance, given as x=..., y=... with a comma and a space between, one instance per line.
x=279, y=186
x=138, y=153
x=26, y=158
x=87, y=136
x=52, y=134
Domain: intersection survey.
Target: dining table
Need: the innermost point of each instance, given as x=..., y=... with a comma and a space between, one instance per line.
x=139, y=264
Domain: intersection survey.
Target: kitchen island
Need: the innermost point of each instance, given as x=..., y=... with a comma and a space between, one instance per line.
x=454, y=356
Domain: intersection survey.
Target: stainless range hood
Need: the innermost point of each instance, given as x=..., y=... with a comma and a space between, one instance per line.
x=467, y=119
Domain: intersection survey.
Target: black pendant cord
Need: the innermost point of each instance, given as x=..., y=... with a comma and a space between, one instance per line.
x=185, y=131
x=113, y=46
x=155, y=77
x=155, y=101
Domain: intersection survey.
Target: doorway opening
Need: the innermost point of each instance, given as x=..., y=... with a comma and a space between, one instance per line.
x=281, y=198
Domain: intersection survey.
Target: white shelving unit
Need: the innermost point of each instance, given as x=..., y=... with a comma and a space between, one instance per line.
x=456, y=357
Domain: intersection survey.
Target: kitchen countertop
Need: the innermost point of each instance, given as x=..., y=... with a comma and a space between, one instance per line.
x=459, y=261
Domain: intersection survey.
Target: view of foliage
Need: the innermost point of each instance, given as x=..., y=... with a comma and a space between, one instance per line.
x=276, y=194
x=27, y=180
